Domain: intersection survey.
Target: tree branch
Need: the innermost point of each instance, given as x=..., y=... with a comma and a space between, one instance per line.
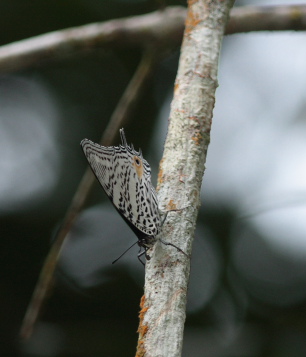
x=157, y=28
x=267, y=18
x=162, y=313
x=163, y=28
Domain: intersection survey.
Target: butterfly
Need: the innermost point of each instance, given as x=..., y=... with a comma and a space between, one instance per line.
x=126, y=179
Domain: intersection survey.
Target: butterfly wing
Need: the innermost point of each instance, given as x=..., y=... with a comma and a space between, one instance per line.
x=126, y=179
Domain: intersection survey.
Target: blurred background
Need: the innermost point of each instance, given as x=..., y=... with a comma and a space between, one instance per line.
x=247, y=293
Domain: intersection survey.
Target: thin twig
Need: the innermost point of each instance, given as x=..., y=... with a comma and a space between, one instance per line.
x=160, y=27
x=129, y=99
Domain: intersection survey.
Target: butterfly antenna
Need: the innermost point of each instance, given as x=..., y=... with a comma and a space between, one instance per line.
x=124, y=253
x=123, y=138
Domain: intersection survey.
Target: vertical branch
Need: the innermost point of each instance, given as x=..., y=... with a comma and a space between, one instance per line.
x=162, y=314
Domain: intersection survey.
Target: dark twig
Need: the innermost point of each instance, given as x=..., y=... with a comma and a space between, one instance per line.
x=124, y=108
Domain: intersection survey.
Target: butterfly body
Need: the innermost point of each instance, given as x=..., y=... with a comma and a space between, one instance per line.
x=126, y=179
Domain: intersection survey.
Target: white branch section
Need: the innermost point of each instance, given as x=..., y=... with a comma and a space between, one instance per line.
x=181, y=171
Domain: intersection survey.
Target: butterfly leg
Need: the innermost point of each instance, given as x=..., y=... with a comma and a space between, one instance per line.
x=166, y=214
x=168, y=243
x=164, y=218
x=141, y=253
x=139, y=258
x=173, y=245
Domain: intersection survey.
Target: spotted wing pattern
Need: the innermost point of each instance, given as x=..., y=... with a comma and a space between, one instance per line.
x=126, y=179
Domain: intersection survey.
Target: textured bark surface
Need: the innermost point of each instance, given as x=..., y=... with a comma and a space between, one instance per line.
x=162, y=314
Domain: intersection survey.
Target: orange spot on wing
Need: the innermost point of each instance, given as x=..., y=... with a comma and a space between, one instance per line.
x=138, y=166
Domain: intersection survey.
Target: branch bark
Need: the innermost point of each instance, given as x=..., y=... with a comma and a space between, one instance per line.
x=162, y=313
x=163, y=28
x=267, y=18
